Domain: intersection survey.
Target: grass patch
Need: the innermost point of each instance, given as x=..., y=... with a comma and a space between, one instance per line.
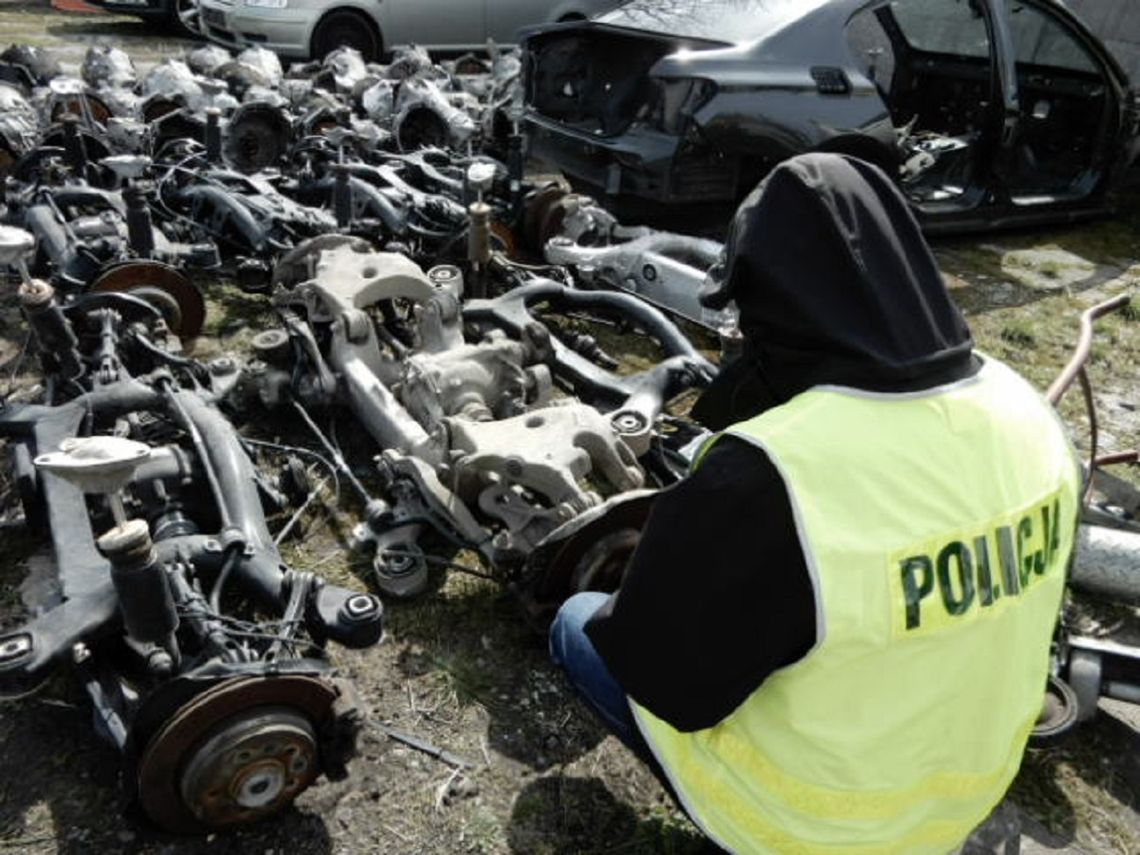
x=230, y=310
x=1019, y=334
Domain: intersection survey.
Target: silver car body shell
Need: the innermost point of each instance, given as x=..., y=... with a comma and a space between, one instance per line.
x=433, y=24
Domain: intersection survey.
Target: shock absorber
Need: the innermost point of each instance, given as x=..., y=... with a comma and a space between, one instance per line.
x=140, y=229
x=213, y=135
x=53, y=332
x=144, y=593
x=480, y=177
x=516, y=165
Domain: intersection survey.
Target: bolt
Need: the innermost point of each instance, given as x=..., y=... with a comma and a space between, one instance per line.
x=628, y=422
x=80, y=653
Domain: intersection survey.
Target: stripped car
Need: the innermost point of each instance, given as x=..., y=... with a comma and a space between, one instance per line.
x=989, y=112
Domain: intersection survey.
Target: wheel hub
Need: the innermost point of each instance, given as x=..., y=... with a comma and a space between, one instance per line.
x=603, y=565
x=253, y=766
x=235, y=754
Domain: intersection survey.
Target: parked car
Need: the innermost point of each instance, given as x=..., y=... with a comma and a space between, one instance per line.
x=180, y=15
x=312, y=28
x=989, y=112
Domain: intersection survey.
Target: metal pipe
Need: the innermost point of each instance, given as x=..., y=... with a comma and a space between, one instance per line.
x=1107, y=564
x=1084, y=346
x=1121, y=691
x=1117, y=458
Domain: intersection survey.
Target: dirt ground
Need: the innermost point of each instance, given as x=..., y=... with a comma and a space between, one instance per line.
x=461, y=669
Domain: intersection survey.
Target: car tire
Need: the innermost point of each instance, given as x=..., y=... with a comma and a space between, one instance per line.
x=347, y=28
x=184, y=18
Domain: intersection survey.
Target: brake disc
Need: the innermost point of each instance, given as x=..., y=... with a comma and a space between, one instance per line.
x=588, y=553
x=164, y=287
x=603, y=565
x=539, y=215
x=235, y=754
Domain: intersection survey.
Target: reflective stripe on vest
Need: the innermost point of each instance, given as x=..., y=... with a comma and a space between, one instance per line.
x=937, y=528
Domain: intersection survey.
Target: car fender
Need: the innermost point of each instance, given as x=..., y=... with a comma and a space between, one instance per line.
x=738, y=117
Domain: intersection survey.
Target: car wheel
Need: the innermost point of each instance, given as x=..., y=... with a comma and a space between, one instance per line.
x=345, y=28
x=185, y=18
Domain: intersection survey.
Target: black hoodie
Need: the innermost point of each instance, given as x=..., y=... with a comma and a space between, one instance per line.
x=835, y=285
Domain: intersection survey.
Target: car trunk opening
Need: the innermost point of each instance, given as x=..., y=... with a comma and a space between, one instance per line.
x=597, y=81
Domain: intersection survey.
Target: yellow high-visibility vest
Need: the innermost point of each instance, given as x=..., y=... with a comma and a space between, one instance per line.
x=937, y=528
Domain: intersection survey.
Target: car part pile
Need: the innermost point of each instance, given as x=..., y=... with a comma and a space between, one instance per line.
x=214, y=160
x=459, y=397
x=157, y=518
x=370, y=203
x=305, y=175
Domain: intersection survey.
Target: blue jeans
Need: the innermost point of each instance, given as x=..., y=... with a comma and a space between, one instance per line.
x=571, y=648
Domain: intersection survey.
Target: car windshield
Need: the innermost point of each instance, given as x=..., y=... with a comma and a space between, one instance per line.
x=730, y=21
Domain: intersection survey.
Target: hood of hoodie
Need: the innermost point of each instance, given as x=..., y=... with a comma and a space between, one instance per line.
x=835, y=285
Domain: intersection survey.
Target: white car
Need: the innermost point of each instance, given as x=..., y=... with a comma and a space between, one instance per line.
x=305, y=29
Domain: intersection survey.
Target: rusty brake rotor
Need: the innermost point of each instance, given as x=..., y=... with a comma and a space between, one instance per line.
x=588, y=553
x=235, y=754
x=164, y=287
